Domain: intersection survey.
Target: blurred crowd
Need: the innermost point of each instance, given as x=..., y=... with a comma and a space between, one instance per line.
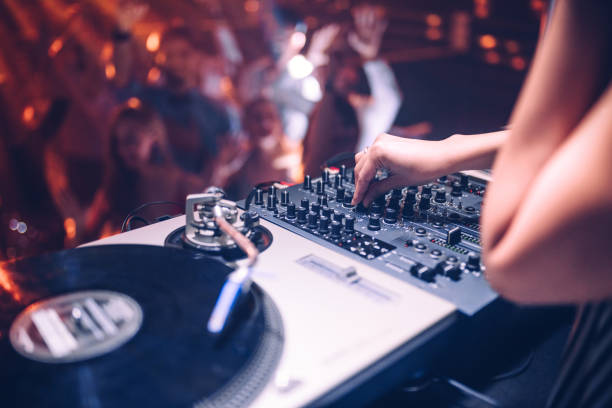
x=156, y=117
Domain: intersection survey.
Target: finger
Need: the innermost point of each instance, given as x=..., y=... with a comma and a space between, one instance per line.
x=363, y=178
x=379, y=187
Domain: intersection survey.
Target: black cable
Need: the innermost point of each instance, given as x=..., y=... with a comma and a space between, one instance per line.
x=516, y=370
x=142, y=207
x=136, y=218
x=247, y=202
x=455, y=384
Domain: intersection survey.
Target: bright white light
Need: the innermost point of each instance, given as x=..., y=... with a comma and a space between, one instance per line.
x=298, y=40
x=299, y=67
x=311, y=90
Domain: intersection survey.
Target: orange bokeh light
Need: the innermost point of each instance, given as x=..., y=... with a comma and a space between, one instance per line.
x=152, y=42
x=107, y=51
x=153, y=75
x=110, y=71
x=251, y=6
x=28, y=114
x=55, y=47
x=492, y=57
x=134, y=103
x=70, y=228
x=518, y=63
x=433, y=33
x=433, y=20
x=487, y=41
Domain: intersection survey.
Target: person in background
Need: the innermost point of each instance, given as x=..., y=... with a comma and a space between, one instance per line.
x=351, y=109
x=268, y=154
x=197, y=125
x=139, y=168
x=547, y=215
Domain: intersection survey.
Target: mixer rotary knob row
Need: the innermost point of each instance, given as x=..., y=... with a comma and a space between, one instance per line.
x=284, y=198
x=307, y=183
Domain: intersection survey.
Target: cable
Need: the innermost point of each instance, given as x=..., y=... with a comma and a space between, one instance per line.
x=136, y=218
x=455, y=384
x=142, y=207
x=517, y=370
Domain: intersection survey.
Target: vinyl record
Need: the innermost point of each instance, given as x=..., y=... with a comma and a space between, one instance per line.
x=125, y=325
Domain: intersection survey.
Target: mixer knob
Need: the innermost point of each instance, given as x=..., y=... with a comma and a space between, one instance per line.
x=314, y=207
x=323, y=225
x=381, y=200
x=348, y=198
x=413, y=189
x=465, y=180
x=322, y=200
x=284, y=197
x=338, y=181
x=451, y=271
x=425, y=203
x=343, y=171
x=291, y=211
x=423, y=272
x=250, y=219
x=390, y=216
x=396, y=192
x=376, y=209
x=426, y=189
x=325, y=176
x=320, y=190
x=361, y=208
x=305, y=203
x=272, y=191
x=410, y=197
x=374, y=223
x=408, y=210
x=340, y=194
x=335, y=229
x=259, y=197
x=349, y=223
x=473, y=262
x=338, y=216
x=301, y=215
x=271, y=203
x=440, y=196
x=312, y=219
x=457, y=190
x=307, y=183
x=326, y=212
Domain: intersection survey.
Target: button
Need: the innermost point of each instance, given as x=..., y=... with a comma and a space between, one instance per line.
x=452, y=259
x=307, y=183
x=420, y=231
x=440, y=196
x=420, y=247
x=436, y=253
x=470, y=209
x=451, y=271
x=423, y=272
x=453, y=237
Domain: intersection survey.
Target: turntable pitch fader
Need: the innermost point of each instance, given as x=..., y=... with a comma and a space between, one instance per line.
x=361, y=292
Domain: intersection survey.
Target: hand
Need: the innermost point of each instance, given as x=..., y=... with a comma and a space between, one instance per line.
x=408, y=162
x=129, y=12
x=320, y=43
x=370, y=25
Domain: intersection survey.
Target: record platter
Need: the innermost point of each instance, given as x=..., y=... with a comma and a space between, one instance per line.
x=126, y=326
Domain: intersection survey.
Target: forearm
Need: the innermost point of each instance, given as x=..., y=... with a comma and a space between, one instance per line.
x=472, y=152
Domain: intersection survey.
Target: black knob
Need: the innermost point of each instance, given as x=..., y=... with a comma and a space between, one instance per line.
x=326, y=212
x=338, y=181
x=305, y=203
x=451, y=271
x=426, y=189
x=413, y=189
x=464, y=181
x=473, y=262
x=348, y=198
x=250, y=219
x=440, y=196
x=353, y=176
x=394, y=202
x=322, y=200
x=325, y=176
x=307, y=183
x=396, y=192
x=272, y=191
x=338, y=216
x=324, y=225
x=340, y=194
x=423, y=272
x=301, y=215
x=425, y=203
x=457, y=190
x=343, y=171
x=259, y=197
x=320, y=187
x=408, y=210
x=374, y=223
x=410, y=197
x=335, y=229
x=291, y=211
x=390, y=216
x=271, y=203
x=349, y=223
x=314, y=207
x=312, y=219
x=376, y=208
x=381, y=200
x=284, y=198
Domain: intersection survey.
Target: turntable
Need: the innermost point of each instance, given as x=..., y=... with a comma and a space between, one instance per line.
x=342, y=303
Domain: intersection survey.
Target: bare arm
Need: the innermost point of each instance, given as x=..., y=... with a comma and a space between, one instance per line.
x=557, y=248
